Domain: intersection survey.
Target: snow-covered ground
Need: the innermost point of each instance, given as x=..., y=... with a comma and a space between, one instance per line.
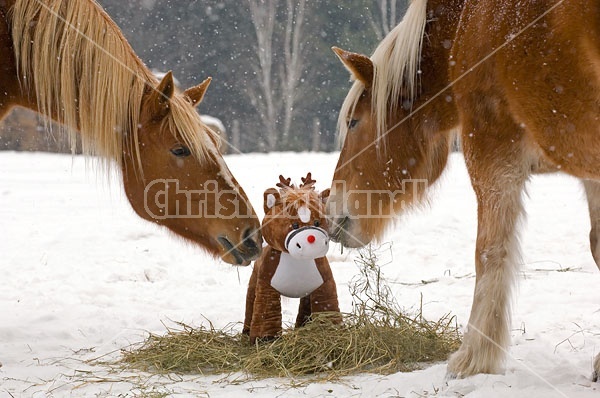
x=81, y=276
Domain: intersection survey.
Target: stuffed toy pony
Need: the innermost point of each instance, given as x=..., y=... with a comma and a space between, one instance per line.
x=293, y=263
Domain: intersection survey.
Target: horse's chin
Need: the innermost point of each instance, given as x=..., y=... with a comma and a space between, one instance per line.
x=351, y=242
x=347, y=232
x=241, y=251
x=235, y=259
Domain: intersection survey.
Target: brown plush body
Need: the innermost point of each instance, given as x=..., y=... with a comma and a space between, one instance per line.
x=294, y=263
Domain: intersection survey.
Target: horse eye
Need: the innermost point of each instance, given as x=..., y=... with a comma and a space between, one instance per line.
x=295, y=225
x=317, y=223
x=181, y=151
x=352, y=123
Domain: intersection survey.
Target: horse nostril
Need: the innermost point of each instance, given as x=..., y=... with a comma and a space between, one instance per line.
x=248, y=239
x=311, y=238
x=337, y=227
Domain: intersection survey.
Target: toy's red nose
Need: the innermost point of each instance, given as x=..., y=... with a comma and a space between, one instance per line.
x=311, y=238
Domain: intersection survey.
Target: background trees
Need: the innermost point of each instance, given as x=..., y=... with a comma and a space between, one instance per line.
x=276, y=82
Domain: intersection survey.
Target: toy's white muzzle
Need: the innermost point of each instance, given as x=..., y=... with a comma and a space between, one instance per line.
x=307, y=243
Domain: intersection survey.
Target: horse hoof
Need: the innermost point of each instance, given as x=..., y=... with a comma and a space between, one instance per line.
x=595, y=376
x=459, y=364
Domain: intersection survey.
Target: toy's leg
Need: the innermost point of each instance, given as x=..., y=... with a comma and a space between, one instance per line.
x=250, y=296
x=266, y=316
x=303, y=311
x=325, y=299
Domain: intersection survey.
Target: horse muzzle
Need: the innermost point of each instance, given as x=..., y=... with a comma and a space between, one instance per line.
x=343, y=227
x=346, y=231
x=244, y=252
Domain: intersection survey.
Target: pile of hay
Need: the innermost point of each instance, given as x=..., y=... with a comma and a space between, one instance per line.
x=376, y=337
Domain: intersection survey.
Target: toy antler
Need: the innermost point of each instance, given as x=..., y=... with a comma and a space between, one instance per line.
x=285, y=183
x=308, y=182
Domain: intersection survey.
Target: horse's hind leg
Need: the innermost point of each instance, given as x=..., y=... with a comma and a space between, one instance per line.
x=592, y=191
x=596, y=374
x=498, y=171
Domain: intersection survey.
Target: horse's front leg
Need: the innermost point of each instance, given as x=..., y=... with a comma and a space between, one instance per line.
x=592, y=191
x=498, y=173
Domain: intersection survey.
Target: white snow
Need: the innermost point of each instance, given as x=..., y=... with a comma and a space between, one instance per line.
x=82, y=276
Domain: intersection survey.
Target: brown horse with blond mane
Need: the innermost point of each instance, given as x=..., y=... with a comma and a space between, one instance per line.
x=521, y=81
x=69, y=61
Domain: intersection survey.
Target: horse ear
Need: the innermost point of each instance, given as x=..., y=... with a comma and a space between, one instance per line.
x=161, y=96
x=359, y=65
x=272, y=197
x=324, y=195
x=196, y=94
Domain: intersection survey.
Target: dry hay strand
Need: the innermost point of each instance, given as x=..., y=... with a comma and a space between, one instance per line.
x=185, y=349
x=376, y=337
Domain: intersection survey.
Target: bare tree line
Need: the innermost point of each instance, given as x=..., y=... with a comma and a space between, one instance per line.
x=277, y=91
x=273, y=67
x=384, y=18
x=275, y=94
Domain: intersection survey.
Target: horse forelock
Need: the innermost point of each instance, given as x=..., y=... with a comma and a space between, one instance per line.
x=396, y=65
x=348, y=107
x=72, y=53
x=184, y=120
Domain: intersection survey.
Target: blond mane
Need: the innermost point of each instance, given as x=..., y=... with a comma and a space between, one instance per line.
x=396, y=64
x=86, y=76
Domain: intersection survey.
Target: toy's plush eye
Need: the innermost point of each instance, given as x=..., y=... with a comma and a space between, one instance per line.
x=317, y=223
x=295, y=225
x=181, y=151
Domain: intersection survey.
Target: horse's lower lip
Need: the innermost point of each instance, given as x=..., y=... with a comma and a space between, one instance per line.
x=337, y=229
x=342, y=232
x=230, y=248
x=335, y=236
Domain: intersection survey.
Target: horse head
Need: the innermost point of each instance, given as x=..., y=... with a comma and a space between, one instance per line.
x=175, y=176
x=391, y=149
